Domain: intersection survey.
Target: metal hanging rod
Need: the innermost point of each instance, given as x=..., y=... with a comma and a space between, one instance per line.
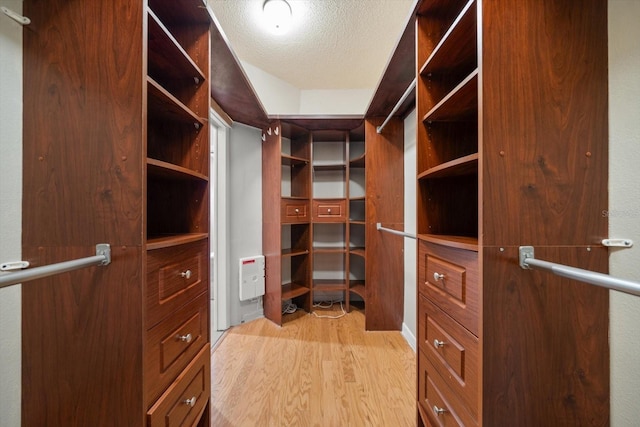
x=399, y=233
x=102, y=257
x=528, y=262
x=402, y=99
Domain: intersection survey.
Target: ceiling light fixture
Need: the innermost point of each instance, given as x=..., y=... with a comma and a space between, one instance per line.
x=277, y=14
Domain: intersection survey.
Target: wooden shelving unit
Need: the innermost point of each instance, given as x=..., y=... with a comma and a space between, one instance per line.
x=130, y=121
x=286, y=159
x=490, y=148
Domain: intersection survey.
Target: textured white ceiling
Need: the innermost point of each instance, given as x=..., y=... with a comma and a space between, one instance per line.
x=331, y=44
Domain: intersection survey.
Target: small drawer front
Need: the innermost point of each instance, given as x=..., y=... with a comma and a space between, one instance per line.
x=329, y=210
x=186, y=398
x=437, y=401
x=294, y=211
x=452, y=350
x=449, y=278
x=175, y=276
x=173, y=343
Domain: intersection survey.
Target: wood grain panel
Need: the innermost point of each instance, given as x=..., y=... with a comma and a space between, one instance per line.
x=545, y=142
x=81, y=332
x=271, y=228
x=384, y=181
x=70, y=83
x=384, y=171
x=545, y=341
x=384, y=290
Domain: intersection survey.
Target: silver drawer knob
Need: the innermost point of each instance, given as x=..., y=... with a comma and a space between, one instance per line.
x=438, y=344
x=186, y=274
x=438, y=411
x=185, y=338
x=437, y=276
x=190, y=402
x=297, y=210
x=329, y=210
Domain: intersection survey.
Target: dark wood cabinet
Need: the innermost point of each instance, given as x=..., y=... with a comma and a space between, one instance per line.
x=511, y=151
x=118, y=94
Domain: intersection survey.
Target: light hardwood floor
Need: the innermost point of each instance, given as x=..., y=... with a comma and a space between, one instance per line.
x=313, y=372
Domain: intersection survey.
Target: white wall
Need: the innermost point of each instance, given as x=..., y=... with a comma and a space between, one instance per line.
x=245, y=213
x=280, y=97
x=276, y=95
x=353, y=101
x=10, y=211
x=624, y=205
x=409, y=324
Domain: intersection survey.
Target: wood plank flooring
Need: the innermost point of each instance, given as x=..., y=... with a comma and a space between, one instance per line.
x=313, y=372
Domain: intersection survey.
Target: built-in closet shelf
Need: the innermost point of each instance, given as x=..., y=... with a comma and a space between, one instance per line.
x=167, y=55
x=294, y=198
x=330, y=250
x=357, y=251
x=329, y=166
x=293, y=290
x=357, y=221
x=458, y=48
x=460, y=242
x=357, y=162
x=163, y=104
x=294, y=252
x=358, y=288
x=353, y=199
x=329, y=285
x=467, y=165
x=169, y=170
x=160, y=242
x=288, y=160
x=459, y=104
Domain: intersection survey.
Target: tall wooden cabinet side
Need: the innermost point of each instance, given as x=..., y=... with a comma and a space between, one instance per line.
x=384, y=204
x=88, y=100
x=83, y=185
x=544, y=181
x=512, y=151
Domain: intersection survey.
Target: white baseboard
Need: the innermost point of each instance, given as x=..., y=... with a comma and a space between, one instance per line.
x=408, y=336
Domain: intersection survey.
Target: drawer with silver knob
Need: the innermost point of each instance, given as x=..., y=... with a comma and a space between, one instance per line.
x=171, y=345
x=175, y=276
x=294, y=211
x=329, y=210
x=449, y=277
x=436, y=399
x=185, y=399
x=452, y=350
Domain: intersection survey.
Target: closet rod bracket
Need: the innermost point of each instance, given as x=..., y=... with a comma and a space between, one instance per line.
x=617, y=243
x=22, y=20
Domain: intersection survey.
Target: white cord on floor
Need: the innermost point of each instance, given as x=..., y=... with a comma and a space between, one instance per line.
x=326, y=305
x=289, y=308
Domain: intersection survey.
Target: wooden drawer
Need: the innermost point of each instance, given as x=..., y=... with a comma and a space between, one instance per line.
x=175, y=276
x=329, y=210
x=172, y=344
x=449, y=278
x=437, y=401
x=452, y=350
x=293, y=211
x=183, y=402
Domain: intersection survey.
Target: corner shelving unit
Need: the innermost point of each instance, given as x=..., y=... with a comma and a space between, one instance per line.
x=357, y=215
x=287, y=216
x=329, y=216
